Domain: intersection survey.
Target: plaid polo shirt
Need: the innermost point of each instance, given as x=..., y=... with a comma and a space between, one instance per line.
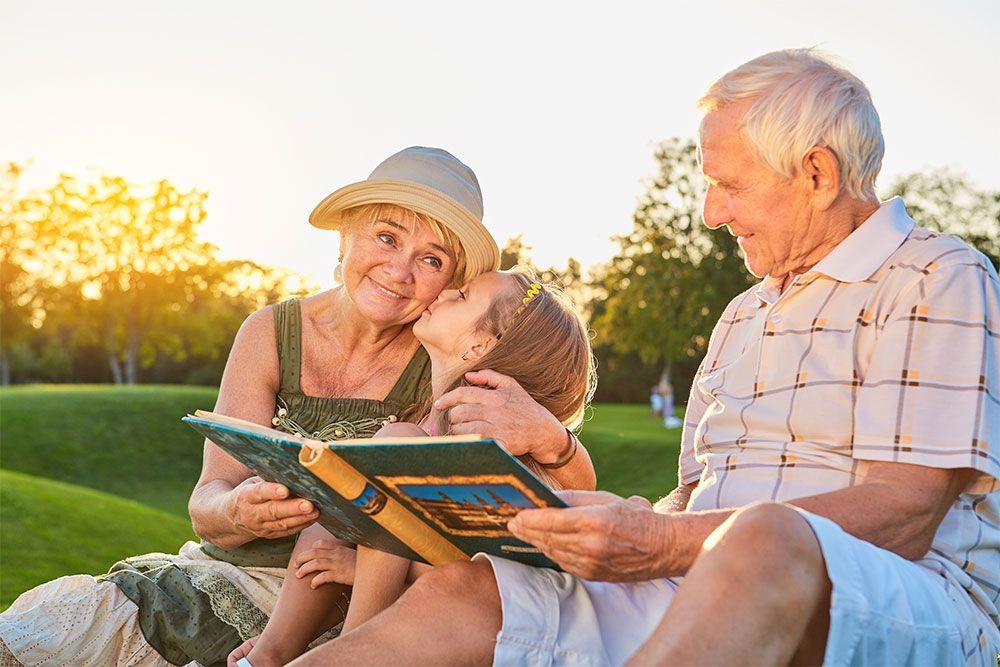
x=887, y=350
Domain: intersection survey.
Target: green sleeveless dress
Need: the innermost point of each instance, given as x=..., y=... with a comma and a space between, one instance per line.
x=190, y=615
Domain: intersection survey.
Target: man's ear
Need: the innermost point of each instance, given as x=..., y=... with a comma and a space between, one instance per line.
x=823, y=169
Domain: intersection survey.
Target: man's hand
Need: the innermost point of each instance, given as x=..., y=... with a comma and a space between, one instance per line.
x=601, y=537
x=497, y=407
x=264, y=509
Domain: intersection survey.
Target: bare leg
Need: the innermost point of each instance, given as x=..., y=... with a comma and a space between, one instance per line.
x=451, y=615
x=302, y=613
x=378, y=581
x=757, y=594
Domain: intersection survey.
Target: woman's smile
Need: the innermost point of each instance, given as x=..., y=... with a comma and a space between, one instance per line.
x=385, y=291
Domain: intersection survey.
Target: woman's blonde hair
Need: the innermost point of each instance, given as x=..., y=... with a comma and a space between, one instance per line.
x=354, y=218
x=544, y=345
x=801, y=100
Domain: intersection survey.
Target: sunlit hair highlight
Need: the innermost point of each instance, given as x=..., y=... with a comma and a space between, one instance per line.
x=801, y=99
x=353, y=218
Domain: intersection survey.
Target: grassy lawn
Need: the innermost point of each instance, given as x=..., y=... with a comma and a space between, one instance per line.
x=632, y=452
x=127, y=441
x=48, y=529
x=92, y=474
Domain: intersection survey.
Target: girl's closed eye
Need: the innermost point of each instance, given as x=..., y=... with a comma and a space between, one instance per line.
x=461, y=295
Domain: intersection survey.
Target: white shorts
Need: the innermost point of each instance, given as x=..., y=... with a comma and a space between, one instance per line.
x=554, y=618
x=885, y=610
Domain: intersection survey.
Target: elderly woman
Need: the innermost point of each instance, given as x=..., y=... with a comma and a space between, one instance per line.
x=338, y=364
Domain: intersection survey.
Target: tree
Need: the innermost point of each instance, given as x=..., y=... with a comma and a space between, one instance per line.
x=946, y=201
x=133, y=254
x=672, y=276
x=23, y=293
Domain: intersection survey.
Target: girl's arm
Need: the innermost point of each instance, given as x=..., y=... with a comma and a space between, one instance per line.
x=302, y=613
x=379, y=579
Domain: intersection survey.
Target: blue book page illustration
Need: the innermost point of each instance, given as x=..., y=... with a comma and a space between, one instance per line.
x=275, y=458
x=466, y=491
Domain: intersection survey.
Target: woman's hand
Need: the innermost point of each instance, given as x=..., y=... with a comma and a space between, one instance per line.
x=265, y=509
x=329, y=561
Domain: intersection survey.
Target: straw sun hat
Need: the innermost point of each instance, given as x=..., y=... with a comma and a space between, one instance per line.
x=429, y=181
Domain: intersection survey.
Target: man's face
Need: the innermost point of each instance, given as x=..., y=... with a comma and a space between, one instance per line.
x=768, y=213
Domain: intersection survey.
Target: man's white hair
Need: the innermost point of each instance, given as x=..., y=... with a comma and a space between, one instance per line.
x=802, y=100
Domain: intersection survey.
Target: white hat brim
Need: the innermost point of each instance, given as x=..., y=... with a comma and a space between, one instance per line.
x=481, y=251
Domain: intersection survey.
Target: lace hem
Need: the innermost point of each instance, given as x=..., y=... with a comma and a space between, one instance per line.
x=229, y=604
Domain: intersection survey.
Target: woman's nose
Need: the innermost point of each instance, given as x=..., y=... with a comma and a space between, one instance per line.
x=398, y=269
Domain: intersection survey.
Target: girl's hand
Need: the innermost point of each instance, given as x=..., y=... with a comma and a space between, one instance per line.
x=241, y=651
x=328, y=561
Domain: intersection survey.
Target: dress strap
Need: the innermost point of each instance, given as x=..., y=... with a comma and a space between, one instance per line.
x=288, y=332
x=414, y=382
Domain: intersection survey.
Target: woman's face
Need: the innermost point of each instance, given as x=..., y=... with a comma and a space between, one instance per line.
x=394, y=267
x=449, y=325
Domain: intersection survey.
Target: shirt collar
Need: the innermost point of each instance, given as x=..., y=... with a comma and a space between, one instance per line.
x=867, y=248
x=858, y=256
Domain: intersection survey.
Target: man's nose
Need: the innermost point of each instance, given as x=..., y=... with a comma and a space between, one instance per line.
x=715, y=210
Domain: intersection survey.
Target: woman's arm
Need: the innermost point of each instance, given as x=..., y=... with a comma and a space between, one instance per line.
x=229, y=507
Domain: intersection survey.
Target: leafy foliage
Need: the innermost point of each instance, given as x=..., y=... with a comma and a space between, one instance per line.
x=108, y=269
x=672, y=276
x=947, y=201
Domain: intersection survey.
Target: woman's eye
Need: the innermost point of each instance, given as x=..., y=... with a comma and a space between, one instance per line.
x=461, y=295
x=388, y=239
x=434, y=262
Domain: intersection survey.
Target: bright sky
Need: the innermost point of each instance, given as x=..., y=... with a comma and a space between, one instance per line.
x=270, y=106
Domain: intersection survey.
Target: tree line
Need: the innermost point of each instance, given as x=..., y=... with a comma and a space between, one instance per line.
x=105, y=280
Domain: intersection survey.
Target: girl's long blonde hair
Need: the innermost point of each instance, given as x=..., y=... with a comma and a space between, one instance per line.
x=544, y=345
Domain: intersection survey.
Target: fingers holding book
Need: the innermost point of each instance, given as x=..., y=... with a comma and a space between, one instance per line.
x=265, y=509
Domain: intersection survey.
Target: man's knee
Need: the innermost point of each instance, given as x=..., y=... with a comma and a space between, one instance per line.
x=769, y=539
x=457, y=581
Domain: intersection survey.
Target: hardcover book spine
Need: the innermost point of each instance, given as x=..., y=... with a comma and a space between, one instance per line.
x=388, y=512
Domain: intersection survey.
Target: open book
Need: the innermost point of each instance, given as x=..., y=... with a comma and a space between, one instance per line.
x=432, y=499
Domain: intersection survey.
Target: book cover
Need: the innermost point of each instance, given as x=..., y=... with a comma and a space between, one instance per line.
x=431, y=499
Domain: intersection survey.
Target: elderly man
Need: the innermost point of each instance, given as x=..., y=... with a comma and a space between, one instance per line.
x=838, y=497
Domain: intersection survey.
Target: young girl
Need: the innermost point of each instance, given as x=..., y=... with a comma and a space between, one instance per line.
x=504, y=321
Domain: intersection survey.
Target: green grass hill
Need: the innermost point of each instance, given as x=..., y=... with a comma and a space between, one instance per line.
x=48, y=529
x=127, y=441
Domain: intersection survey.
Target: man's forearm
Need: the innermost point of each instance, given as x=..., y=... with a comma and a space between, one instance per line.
x=676, y=500
x=897, y=507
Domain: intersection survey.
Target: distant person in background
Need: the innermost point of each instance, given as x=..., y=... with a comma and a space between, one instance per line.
x=839, y=497
x=338, y=364
x=655, y=401
x=670, y=420
x=507, y=322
